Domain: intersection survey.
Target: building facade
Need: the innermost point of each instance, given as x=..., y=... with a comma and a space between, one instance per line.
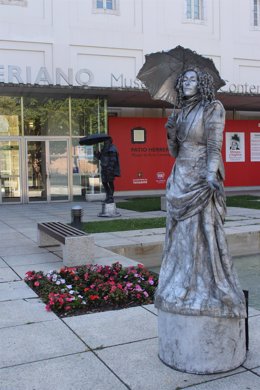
x=68, y=69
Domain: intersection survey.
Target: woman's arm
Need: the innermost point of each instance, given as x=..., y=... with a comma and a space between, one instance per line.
x=214, y=126
x=172, y=135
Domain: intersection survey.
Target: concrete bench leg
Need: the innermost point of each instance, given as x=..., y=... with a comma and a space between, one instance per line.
x=45, y=240
x=78, y=250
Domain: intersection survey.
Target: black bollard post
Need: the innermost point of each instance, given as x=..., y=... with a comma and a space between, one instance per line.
x=76, y=215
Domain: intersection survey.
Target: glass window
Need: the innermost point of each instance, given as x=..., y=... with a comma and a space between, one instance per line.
x=106, y=6
x=10, y=116
x=43, y=116
x=255, y=13
x=86, y=177
x=88, y=116
x=194, y=10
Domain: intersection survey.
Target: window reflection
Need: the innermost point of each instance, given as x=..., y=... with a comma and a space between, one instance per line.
x=10, y=118
x=86, y=177
x=44, y=116
x=87, y=116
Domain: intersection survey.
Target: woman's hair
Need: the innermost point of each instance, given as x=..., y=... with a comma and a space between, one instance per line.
x=205, y=86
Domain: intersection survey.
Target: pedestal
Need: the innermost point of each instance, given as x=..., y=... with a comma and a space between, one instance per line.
x=109, y=210
x=201, y=344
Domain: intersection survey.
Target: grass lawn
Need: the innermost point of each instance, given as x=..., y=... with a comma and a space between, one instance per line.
x=117, y=225
x=141, y=204
x=247, y=201
x=154, y=204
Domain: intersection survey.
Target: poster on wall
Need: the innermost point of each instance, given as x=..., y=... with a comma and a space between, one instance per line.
x=255, y=146
x=235, y=147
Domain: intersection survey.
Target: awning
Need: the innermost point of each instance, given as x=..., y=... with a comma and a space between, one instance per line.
x=123, y=97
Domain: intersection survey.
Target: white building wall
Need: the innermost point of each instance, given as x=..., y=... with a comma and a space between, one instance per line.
x=111, y=47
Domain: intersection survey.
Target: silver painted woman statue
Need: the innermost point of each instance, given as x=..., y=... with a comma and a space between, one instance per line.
x=197, y=275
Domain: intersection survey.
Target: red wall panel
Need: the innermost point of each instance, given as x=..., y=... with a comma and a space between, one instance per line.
x=146, y=166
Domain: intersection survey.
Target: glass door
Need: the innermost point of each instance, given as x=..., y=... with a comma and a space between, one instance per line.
x=58, y=169
x=47, y=170
x=10, y=180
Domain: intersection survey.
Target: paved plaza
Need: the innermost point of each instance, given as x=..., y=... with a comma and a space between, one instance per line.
x=111, y=350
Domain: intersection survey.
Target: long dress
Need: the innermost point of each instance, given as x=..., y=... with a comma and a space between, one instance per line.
x=197, y=275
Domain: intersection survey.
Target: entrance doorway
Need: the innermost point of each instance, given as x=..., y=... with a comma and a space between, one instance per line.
x=47, y=170
x=10, y=173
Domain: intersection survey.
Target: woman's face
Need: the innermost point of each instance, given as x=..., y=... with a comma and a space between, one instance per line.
x=190, y=83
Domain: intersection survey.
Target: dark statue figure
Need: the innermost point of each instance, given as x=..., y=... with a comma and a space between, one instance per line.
x=110, y=168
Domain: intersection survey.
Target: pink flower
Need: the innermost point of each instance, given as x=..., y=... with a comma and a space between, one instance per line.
x=151, y=281
x=138, y=288
x=36, y=284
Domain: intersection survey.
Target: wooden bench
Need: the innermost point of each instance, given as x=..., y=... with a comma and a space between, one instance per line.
x=77, y=246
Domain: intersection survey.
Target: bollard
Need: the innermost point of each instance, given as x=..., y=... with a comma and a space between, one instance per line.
x=76, y=215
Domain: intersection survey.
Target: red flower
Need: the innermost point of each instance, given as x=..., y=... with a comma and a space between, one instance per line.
x=93, y=297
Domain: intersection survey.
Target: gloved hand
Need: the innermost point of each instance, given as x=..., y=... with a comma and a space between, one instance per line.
x=214, y=183
x=170, y=124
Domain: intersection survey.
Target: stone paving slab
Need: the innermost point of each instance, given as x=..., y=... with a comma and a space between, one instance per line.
x=242, y=381
x=45, y=267
x=37, y=341
x=11, y=237
x=112, y=241
x=159, y=238
x=30, y=259
x=2, y=263
x=151, y=308
x=256, y=370
x=13, y=313
x=21, y=250
x=109, y=260
x=253, y=312
x=114, y=327
x=82, y=371
x=15, y=290
x=17, y=242
x=244, y=222
x=138, y=365
x=7, y=275
x=253, y=355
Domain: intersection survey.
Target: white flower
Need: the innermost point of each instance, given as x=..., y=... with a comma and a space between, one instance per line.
x=80, y=296
x=71, y=292
x=58, y=282
x=69, y=286
x=62, y=281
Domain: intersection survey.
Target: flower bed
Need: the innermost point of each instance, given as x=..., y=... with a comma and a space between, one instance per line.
x=90, y=288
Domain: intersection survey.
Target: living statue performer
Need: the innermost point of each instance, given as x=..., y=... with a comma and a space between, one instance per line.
x=197, y=275
x=201, y=307
x=110, y=168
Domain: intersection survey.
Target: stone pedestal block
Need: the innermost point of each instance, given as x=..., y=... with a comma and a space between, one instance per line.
x=109, y=210
x=201, y=344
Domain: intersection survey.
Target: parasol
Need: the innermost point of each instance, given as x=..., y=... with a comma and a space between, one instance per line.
x=161, y=70
x=94, y=139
